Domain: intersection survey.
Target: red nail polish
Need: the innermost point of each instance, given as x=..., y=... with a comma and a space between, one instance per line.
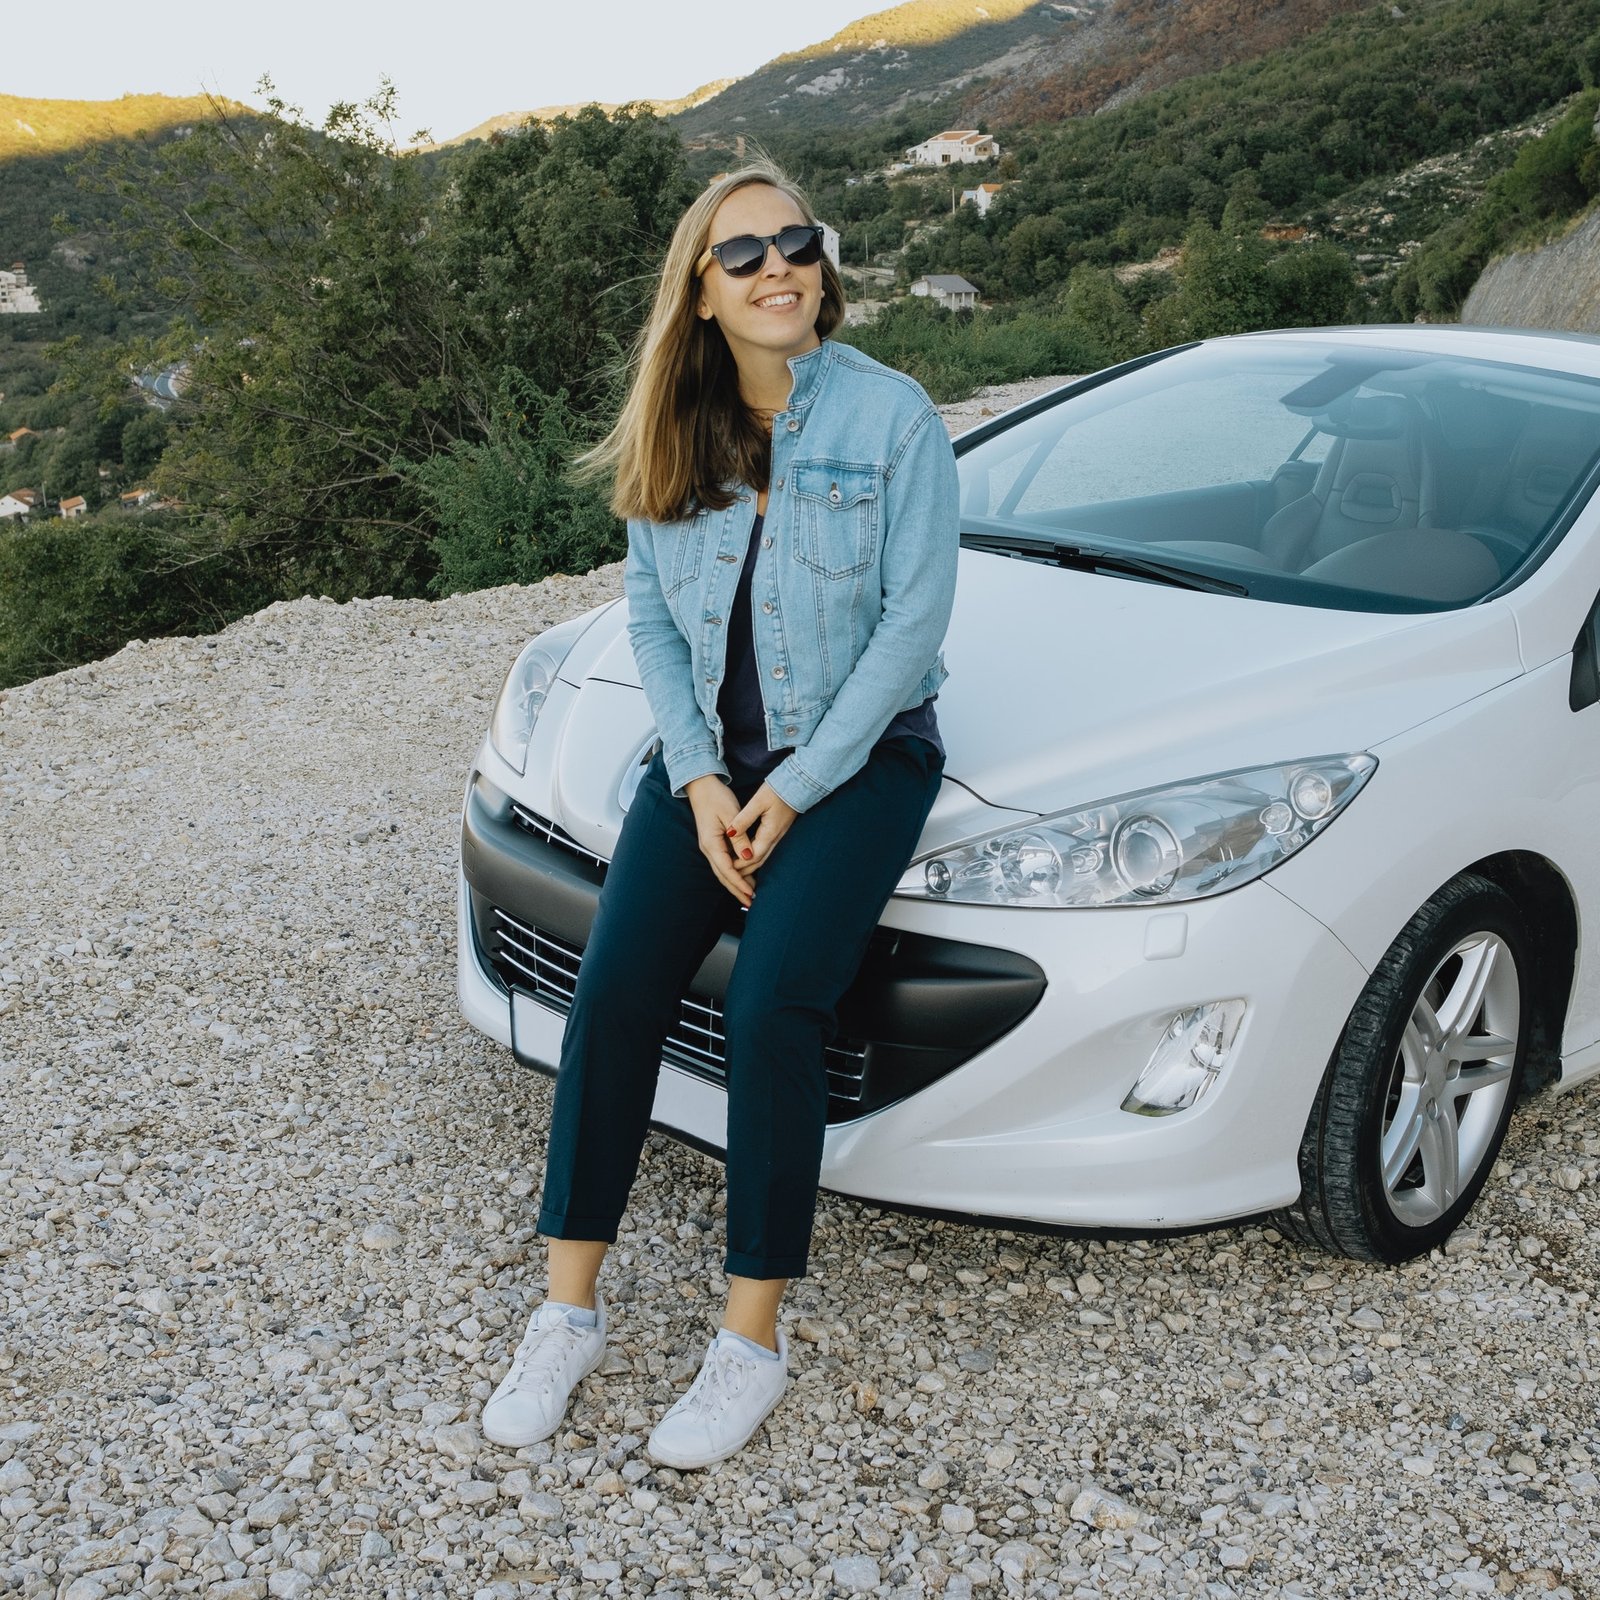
x=747, y=854
x=732, y=831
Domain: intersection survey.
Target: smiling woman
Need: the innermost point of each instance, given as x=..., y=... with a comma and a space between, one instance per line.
x=792, y=549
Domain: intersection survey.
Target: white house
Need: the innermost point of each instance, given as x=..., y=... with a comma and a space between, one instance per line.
x=953, y=146
x=132, y=499
x=830, y=244
x=74, y=506
x=16, y=293
x=982, y=197
x=18, y=503
x=948, y=290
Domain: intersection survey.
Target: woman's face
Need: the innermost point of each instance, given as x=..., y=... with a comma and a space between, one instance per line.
x=775, y=309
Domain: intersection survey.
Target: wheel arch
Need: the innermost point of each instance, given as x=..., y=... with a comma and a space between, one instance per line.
x=1545, y=897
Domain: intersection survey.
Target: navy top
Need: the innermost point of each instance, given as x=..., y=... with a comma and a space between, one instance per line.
x=744, y=719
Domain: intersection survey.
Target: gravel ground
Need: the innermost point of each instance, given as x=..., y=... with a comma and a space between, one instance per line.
x=266, y=1241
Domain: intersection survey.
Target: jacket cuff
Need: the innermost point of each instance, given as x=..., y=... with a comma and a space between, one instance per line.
x=795, y=787
x=684, y=766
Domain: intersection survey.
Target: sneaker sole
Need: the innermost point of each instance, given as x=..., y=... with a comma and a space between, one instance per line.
x=517, y=1441
x=667, y=1459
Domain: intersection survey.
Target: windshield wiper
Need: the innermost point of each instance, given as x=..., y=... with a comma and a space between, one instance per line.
x=1086, y=558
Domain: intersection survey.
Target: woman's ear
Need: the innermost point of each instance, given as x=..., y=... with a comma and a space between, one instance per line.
x=702, y=310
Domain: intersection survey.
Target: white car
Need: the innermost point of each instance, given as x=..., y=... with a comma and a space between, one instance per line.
x=1261, y=876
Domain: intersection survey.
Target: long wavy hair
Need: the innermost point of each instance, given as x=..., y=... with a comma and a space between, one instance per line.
x=684, y=432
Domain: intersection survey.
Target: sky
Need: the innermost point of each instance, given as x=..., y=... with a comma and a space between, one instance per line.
x=452, y=66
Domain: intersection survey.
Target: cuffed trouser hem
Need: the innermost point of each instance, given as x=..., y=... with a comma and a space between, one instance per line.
x=743, y=1266
x=595, y=1230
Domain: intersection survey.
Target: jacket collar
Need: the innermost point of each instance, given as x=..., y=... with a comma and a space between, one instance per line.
x=808, y=371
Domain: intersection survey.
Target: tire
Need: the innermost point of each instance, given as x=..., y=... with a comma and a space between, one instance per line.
x=1413, y=1107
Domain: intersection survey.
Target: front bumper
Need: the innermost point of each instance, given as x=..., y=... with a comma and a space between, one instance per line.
x=920, y=1006
x=970, y=1076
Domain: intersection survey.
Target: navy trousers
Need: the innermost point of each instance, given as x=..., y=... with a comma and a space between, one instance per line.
x=818, y=898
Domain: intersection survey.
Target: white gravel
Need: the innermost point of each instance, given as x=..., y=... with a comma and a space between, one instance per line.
x=266, y=1211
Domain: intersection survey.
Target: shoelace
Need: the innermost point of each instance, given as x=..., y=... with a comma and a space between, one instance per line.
x=721, y=1379
x=542, y=1354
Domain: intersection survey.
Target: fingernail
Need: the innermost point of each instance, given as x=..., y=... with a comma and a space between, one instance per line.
x=747, y=854
x=732, y=831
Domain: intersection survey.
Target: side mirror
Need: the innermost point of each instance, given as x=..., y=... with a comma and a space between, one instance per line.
x=1584, y=689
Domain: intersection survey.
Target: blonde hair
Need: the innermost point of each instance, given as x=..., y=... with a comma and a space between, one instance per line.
x=684, y=431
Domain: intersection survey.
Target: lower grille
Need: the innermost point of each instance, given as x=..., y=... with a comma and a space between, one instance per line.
x=536, y=960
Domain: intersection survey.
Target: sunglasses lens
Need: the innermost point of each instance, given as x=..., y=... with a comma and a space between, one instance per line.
x=801, y=246
x=741, y=256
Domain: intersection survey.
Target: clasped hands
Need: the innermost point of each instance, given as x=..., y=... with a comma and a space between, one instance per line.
x=737, y=839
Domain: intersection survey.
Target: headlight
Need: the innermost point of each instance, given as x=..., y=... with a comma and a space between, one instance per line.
x=528, y=682
x=1179, y=843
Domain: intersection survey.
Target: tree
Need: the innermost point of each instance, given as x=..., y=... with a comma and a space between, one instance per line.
x=321, y=341
x=552, y=239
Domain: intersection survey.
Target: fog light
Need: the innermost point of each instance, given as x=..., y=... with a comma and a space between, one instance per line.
x=1195, y=1046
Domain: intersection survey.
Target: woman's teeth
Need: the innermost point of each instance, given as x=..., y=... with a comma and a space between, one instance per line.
x=778, y=300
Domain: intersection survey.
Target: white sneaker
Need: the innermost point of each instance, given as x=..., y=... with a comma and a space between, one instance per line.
x=554, y=1357
x=733, y=1395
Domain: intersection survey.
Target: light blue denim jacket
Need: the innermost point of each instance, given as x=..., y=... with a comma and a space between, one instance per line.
x=853, y=585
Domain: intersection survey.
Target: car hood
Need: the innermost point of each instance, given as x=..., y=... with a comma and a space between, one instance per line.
x=1069, y=687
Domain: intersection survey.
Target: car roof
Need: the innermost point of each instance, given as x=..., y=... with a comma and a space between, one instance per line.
x=1535, y=347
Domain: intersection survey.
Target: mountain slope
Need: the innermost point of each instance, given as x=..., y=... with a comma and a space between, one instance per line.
x=1137, y=45
x=31, y=127
x=921, y=51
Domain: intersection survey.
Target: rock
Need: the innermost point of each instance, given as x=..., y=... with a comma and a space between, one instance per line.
x=856, y=1574
x=460, y=1441
x=272, y=1510
x=955, y=1518
x=380, y=1236
x=1233, y=1557
x=1018, y=1559
x=1365, y=1317
x=933, y=1477
x=1097, y=1509
x=374, y=1547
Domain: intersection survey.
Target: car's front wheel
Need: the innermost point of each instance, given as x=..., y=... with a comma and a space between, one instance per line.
x=1414, y=1104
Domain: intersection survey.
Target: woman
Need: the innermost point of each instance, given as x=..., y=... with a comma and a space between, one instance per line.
x=792, y=544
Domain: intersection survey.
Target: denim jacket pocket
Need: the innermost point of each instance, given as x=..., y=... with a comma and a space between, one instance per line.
x=837, y=511
x=680, y=562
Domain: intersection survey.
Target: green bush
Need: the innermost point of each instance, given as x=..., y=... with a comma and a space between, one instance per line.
x=71, y=591
x=1553, y=178
x=506, y=510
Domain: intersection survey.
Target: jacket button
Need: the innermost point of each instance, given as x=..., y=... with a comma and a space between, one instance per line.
x=777, y=672
x=780, y=483
x=793, y=425
x=833, y=494
x=714, y=621
x=766, y=543
x=766, y=605
x=790, y=732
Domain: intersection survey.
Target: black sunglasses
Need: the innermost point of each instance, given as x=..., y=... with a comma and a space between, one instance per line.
x=800, y=244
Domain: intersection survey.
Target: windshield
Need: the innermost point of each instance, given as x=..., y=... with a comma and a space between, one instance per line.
x=1342, y=476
